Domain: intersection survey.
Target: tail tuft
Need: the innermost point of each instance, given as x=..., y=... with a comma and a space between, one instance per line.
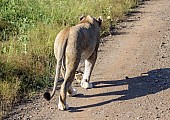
x=47, y=96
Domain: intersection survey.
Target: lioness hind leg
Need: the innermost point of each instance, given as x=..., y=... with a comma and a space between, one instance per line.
x=64, y=89
x=63, y=72
x=89, y=64
x=66, y=86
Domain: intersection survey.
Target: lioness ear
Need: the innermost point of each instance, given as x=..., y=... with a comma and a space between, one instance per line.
x=81, y=17
x=100, y=20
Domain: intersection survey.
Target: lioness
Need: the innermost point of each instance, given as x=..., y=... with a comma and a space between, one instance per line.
x=71, y=45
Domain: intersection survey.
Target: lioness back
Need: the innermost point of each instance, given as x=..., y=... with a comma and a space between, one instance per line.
x=85, y=37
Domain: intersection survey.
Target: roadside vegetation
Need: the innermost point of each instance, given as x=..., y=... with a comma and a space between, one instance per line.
x=27, y=32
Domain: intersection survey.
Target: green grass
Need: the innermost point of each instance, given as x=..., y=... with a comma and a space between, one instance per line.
x=27, y=32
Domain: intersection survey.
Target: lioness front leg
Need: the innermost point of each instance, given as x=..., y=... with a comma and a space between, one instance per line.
x=89, y=64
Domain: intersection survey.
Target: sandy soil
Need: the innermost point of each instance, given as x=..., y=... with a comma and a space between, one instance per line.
x=131, y=78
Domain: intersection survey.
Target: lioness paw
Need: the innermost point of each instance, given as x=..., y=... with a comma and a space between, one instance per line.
x=79, y=77
x=73, y=93
x=86, y=85
x=62, y=107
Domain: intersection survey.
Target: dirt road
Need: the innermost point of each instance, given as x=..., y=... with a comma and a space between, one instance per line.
x=131, y=78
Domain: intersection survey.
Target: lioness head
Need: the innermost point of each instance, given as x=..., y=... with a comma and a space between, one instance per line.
x=90, y=19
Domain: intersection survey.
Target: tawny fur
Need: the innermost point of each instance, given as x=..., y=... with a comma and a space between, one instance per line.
x=72, y=44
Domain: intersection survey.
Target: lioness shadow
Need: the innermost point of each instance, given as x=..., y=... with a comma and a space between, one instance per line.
x=149, y=83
